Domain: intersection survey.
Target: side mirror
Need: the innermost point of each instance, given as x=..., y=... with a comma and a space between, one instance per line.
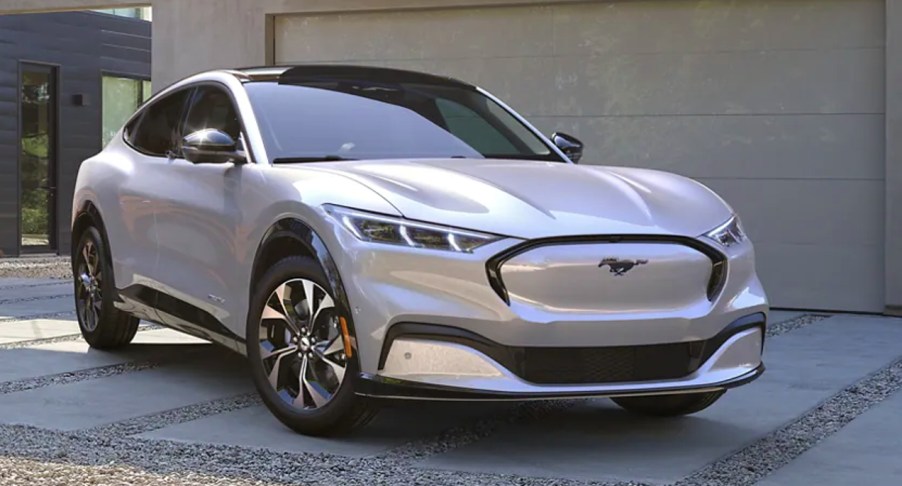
x=211, y=146
x=570, y=145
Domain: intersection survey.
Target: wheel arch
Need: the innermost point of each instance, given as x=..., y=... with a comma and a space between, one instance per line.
x=293, y=237
x=88, y=215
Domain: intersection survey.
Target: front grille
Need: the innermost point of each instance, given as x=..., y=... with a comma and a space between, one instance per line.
x=715, y=282
x=608, y=364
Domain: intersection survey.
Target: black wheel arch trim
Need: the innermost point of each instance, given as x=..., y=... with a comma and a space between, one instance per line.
x=718, y=258
x=307, y=237
x=89, y=210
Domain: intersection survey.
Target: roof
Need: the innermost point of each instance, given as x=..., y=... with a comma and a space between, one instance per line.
x=339, y=72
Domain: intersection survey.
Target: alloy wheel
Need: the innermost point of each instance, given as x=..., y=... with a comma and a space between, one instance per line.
x=301, y=344
x=89, y=283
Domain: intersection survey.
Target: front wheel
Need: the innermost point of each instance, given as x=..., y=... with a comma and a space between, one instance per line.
x=301, y=363
x=669, y=405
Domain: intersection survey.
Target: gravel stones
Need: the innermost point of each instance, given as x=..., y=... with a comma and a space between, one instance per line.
x=74, y=376
x=44, y=267
x=783, y=327
x=25, y=472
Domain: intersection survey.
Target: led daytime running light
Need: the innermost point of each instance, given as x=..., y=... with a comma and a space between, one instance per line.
x=379, y=228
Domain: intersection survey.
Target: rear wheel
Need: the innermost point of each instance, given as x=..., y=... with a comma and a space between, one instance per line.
x=101, y=323
x=669, y=405
x=300, y=362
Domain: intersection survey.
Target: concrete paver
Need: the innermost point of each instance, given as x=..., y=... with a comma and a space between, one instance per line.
x=201, y=376
x=16, y=331
x=70, y=356
x=6, y=282
x=595, y=441
x=867, y=451
x=53, y=288
x=11, y=332
x=43, y=306
x=166, y=336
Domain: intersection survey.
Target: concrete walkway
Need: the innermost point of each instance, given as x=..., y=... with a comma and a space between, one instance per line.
x=828, y=412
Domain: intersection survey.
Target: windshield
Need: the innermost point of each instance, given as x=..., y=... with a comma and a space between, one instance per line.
x=363, y=120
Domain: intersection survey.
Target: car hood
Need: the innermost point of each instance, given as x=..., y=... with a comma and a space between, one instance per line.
x=529, y=199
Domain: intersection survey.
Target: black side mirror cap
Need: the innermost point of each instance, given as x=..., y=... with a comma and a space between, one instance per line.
x=211, y=146
x=570, y=145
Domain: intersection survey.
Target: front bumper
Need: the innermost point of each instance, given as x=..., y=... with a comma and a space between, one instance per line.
x=445, y=363
x=389, y=287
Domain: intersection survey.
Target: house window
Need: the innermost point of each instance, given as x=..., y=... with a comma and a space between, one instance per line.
x=121, y=98
x=143, y=13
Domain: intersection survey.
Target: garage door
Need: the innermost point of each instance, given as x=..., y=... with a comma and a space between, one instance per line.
x=777, y=105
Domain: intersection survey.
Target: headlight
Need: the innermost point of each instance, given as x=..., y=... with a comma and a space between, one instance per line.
x=728, y=234
x=397, y=231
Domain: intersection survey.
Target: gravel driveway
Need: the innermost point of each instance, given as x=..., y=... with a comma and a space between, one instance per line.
x=38, y=267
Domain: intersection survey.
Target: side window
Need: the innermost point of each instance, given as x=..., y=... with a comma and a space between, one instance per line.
x=473, y=129
x=212, y=107
x=156, y=131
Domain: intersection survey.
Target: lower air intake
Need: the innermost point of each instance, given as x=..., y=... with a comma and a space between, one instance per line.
x=607, y=364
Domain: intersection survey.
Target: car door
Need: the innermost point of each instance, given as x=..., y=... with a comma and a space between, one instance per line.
x=149, y=137
x=199, y=221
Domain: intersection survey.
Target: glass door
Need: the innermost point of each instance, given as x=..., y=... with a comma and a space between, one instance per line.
x=37, y=158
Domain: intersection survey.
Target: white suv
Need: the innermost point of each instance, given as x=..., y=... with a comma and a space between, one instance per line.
x=366, y=232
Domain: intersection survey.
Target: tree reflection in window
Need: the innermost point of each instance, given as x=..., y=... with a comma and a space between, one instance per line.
x=36, y=108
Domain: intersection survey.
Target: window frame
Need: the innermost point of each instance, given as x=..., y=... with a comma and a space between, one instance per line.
x=241, y=125
x=189, y=100
x=138, y=117
x=54, y=147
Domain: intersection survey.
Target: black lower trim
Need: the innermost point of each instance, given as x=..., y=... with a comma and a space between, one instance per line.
x=192, y=319
x=751, y=321
x=583, y=365
x=389, y=388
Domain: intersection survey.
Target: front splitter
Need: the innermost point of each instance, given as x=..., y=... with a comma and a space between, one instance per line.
x=390, y=388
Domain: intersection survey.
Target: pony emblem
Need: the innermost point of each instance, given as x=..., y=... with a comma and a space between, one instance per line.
x=620, y=267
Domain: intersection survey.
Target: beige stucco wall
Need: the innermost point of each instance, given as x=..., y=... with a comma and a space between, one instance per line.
x=237, y=32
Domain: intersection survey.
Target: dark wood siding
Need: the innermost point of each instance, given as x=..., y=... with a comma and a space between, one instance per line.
x=83, y=45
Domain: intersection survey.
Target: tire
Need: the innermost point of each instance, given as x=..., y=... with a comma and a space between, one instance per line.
x=291, y=359
x=669, y=405
x=102, y=325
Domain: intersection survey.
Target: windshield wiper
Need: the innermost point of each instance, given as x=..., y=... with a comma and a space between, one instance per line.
x=318, y=158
